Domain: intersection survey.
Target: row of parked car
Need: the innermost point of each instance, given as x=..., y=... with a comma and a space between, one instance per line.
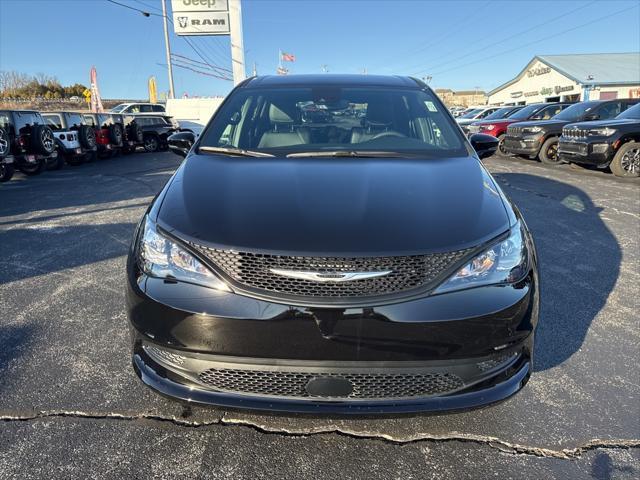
x=33, y=141
x=600, y=133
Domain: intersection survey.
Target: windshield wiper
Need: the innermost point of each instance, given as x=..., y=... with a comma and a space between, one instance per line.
x=234, y=151
x=348, y=153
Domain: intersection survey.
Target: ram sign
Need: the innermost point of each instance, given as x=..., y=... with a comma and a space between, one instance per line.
x=200, y=17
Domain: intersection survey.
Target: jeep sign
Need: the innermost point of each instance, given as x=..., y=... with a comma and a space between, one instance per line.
x=201, y=23
x=200, y=5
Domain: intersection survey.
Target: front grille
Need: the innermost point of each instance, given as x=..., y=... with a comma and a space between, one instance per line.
x=514, y=131
x=253, y=270
x=574, y=133
x=570, y=147
x=364, y=385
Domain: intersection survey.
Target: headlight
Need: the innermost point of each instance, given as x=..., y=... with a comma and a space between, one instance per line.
x=163, y=258
x=489, y=127
x=505, y=262
x=531, y=129
x=602, y=132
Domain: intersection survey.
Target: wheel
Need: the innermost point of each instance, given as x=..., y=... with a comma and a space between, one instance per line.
x=42, y=139
x=500, y=151
x=6, y=172
x=32, y=169
x=549, y=152
x=626, y=162
x=4, y=143
x=56, y=163
x=87, y=136
x=115, y=134
x=151, y=143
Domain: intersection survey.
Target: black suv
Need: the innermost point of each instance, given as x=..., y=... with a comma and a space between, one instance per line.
x=31, y=141
x=109, y=130
x=614, y=143
x=539, y=139
x=156, y=129
x=76, y=141
x=133, y=136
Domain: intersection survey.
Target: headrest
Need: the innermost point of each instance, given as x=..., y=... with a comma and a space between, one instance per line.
x=277, y=115
x=379, y=113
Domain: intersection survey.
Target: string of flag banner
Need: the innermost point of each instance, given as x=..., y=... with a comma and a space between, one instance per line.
x=284, y=57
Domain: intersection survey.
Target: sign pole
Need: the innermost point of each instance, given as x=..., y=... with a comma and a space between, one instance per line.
x=237, y=48
x=168, y=48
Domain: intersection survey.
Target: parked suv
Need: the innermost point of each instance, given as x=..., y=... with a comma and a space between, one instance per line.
x=109, y=131
x=539, y=139
x=155, y=130
x=76, y=141
x=475, y=115
x=6, y=160
x=31, y=142
x=138, y=108
x=535, y=111
x=614, y=143
x=504, y=112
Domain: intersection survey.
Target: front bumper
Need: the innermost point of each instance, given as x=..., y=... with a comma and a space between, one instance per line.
x=528, y=145
x=448, y=334
x=598, y=152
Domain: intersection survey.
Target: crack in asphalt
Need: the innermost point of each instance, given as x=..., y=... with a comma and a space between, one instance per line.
x=484, y=440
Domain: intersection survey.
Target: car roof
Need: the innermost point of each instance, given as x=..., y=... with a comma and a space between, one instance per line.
x=343, y=80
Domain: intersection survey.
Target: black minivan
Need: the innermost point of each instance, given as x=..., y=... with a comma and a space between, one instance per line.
x=339, y=263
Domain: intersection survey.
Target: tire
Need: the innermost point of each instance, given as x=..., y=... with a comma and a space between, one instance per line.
x=87, y=137
x=626, y=162
x=135, y=133
x=6, y=172
x=549, y=152
x=42, y=140
x=500, y=152
x=4, y=144
x=115, y=134
x=57, y=163
x=31, y=170
x=151, y=143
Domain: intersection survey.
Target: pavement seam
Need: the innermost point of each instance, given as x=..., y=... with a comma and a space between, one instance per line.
x=484, y=440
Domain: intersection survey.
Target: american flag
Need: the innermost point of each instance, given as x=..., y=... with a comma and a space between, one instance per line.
x=288, y=57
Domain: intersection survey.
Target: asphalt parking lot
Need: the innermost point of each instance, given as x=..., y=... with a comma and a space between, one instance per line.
x=72, y=407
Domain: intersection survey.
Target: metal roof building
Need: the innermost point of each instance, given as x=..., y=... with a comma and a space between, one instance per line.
x=572, y=77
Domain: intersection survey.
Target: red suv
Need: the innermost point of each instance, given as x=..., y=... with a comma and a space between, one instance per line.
x=498, y=127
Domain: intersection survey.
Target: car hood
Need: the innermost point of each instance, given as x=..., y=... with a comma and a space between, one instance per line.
x=606, y=123
x=466, y=121
x=499, y=121
x=333, y=206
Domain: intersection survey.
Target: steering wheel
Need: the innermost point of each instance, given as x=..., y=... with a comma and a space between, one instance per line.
x=388, y=133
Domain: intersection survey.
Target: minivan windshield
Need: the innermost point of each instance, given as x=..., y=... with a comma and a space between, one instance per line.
x=119, y=108
x=333, y=118
x=631, y=113
x=575, y=112
x=471, y=114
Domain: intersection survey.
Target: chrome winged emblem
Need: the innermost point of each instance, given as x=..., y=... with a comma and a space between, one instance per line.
x=329, y=276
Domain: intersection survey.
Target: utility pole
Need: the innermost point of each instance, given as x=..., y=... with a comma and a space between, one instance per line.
x=237, y=48
x=255, y=70
x=168, y=47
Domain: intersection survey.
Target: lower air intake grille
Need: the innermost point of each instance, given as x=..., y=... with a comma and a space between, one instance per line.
x=364, y=385
x=253, y=270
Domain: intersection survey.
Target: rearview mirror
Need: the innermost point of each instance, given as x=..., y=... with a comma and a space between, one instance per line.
x=181, y=142
x=484, y=145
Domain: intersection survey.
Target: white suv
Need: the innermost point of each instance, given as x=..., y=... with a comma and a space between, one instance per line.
x=138, y=108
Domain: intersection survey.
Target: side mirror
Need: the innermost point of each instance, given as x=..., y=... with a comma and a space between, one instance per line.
x=181, y=142
x=484, y=145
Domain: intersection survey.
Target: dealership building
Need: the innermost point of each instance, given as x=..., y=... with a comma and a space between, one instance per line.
x=572, y=78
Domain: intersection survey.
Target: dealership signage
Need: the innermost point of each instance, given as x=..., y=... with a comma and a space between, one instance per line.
x=538, y=71
x=516, y=94
x=200, y=17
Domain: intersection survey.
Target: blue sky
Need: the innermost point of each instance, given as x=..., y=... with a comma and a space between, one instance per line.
x=461, y=44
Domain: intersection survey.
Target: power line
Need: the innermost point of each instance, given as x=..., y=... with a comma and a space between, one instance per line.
x=505, y=39
x=536, y=41
x=143, y=12
x=186, y=67
x=148, y=6
x=197, y=63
